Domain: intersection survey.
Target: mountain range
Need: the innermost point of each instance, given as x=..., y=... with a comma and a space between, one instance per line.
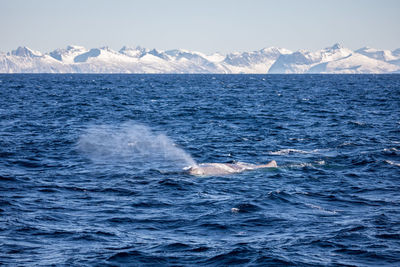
x=78, y=59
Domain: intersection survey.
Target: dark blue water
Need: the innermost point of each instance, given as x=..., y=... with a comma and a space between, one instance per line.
x=91, y=170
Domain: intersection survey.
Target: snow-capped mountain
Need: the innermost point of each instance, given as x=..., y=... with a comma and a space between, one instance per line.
x=301, y=61
x=133, y=52
x=354, y=63
x=78, y=59
x=335, y=59
x=384, y=55
x=68, y=54
x=253, y=62
x=25, y=60
x=392, y=57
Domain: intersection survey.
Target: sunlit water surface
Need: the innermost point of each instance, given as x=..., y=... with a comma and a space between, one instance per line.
x=91, y=170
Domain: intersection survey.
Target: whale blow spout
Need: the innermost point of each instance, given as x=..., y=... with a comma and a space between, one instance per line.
x=211, y=169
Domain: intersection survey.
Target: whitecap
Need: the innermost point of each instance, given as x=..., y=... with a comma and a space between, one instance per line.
x=320, y=208
x=300, y=165
x=359, y=123
x=346, y=144
x=235, y=210
x=390, y=149
x=287, y=151
x=393, y=163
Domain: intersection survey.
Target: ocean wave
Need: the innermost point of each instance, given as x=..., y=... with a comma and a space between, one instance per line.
x=299, y=165
x=312, y=206
x=391, y=151
x=288, y=151
x=394, y=163
x=305, y=164
x=109, y=192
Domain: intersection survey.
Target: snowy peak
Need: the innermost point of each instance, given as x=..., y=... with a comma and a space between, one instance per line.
x=384, y=55
x=68, y=54
x=354, y=64
x=178, y=53
x=337, y=46
x=247, y=58
x=159, y=54
x=253, y=62
x=182, y=55
x=104, y=55
x=335, y=52
x=302, y=61
x=133, y=52
x=215, y=57
x=296, y=62
x=275, y=51
x=25, y=52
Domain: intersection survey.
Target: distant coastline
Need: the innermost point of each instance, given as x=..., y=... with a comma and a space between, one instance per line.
x=77, y=59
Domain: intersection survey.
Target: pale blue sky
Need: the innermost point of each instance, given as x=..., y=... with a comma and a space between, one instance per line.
x=204, y=25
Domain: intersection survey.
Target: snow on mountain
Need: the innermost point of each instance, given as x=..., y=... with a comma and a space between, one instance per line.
x=384, y=55
x=67, y=55
x=138, y=60
x=25, y=52
x=301, y=61
x=392, y=57
x=253, y=62
x=195, y=62
x=77, y=59
x=133, y=52
x=26, y=60
x=215, y=57
x=354, y=63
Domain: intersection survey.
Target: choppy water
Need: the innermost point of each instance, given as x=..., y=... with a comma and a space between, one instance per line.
x=91, y=170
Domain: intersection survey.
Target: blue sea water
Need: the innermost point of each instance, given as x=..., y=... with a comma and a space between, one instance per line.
x=91, y=170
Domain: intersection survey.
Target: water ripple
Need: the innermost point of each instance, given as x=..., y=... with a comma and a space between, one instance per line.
x=91, y=170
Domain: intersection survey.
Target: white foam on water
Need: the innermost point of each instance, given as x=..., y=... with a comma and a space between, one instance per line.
x=300, y=165
x=394, y=163
x=392, y=149
x=312, y=206
x=358, y=123
x=305, y=164
x=288, y=151
x=133, y=143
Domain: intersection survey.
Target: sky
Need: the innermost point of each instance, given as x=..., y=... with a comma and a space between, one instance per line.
x=205, y=25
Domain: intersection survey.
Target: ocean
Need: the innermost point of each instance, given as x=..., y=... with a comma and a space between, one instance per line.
x=92, y=170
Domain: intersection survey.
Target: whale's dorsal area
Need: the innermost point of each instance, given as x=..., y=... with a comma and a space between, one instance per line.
x=211, y=169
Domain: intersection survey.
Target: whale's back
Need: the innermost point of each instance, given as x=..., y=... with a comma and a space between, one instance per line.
x=209, y=169
x=218, y=168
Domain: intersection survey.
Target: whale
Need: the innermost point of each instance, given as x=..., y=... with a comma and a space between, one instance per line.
x=213, y=169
